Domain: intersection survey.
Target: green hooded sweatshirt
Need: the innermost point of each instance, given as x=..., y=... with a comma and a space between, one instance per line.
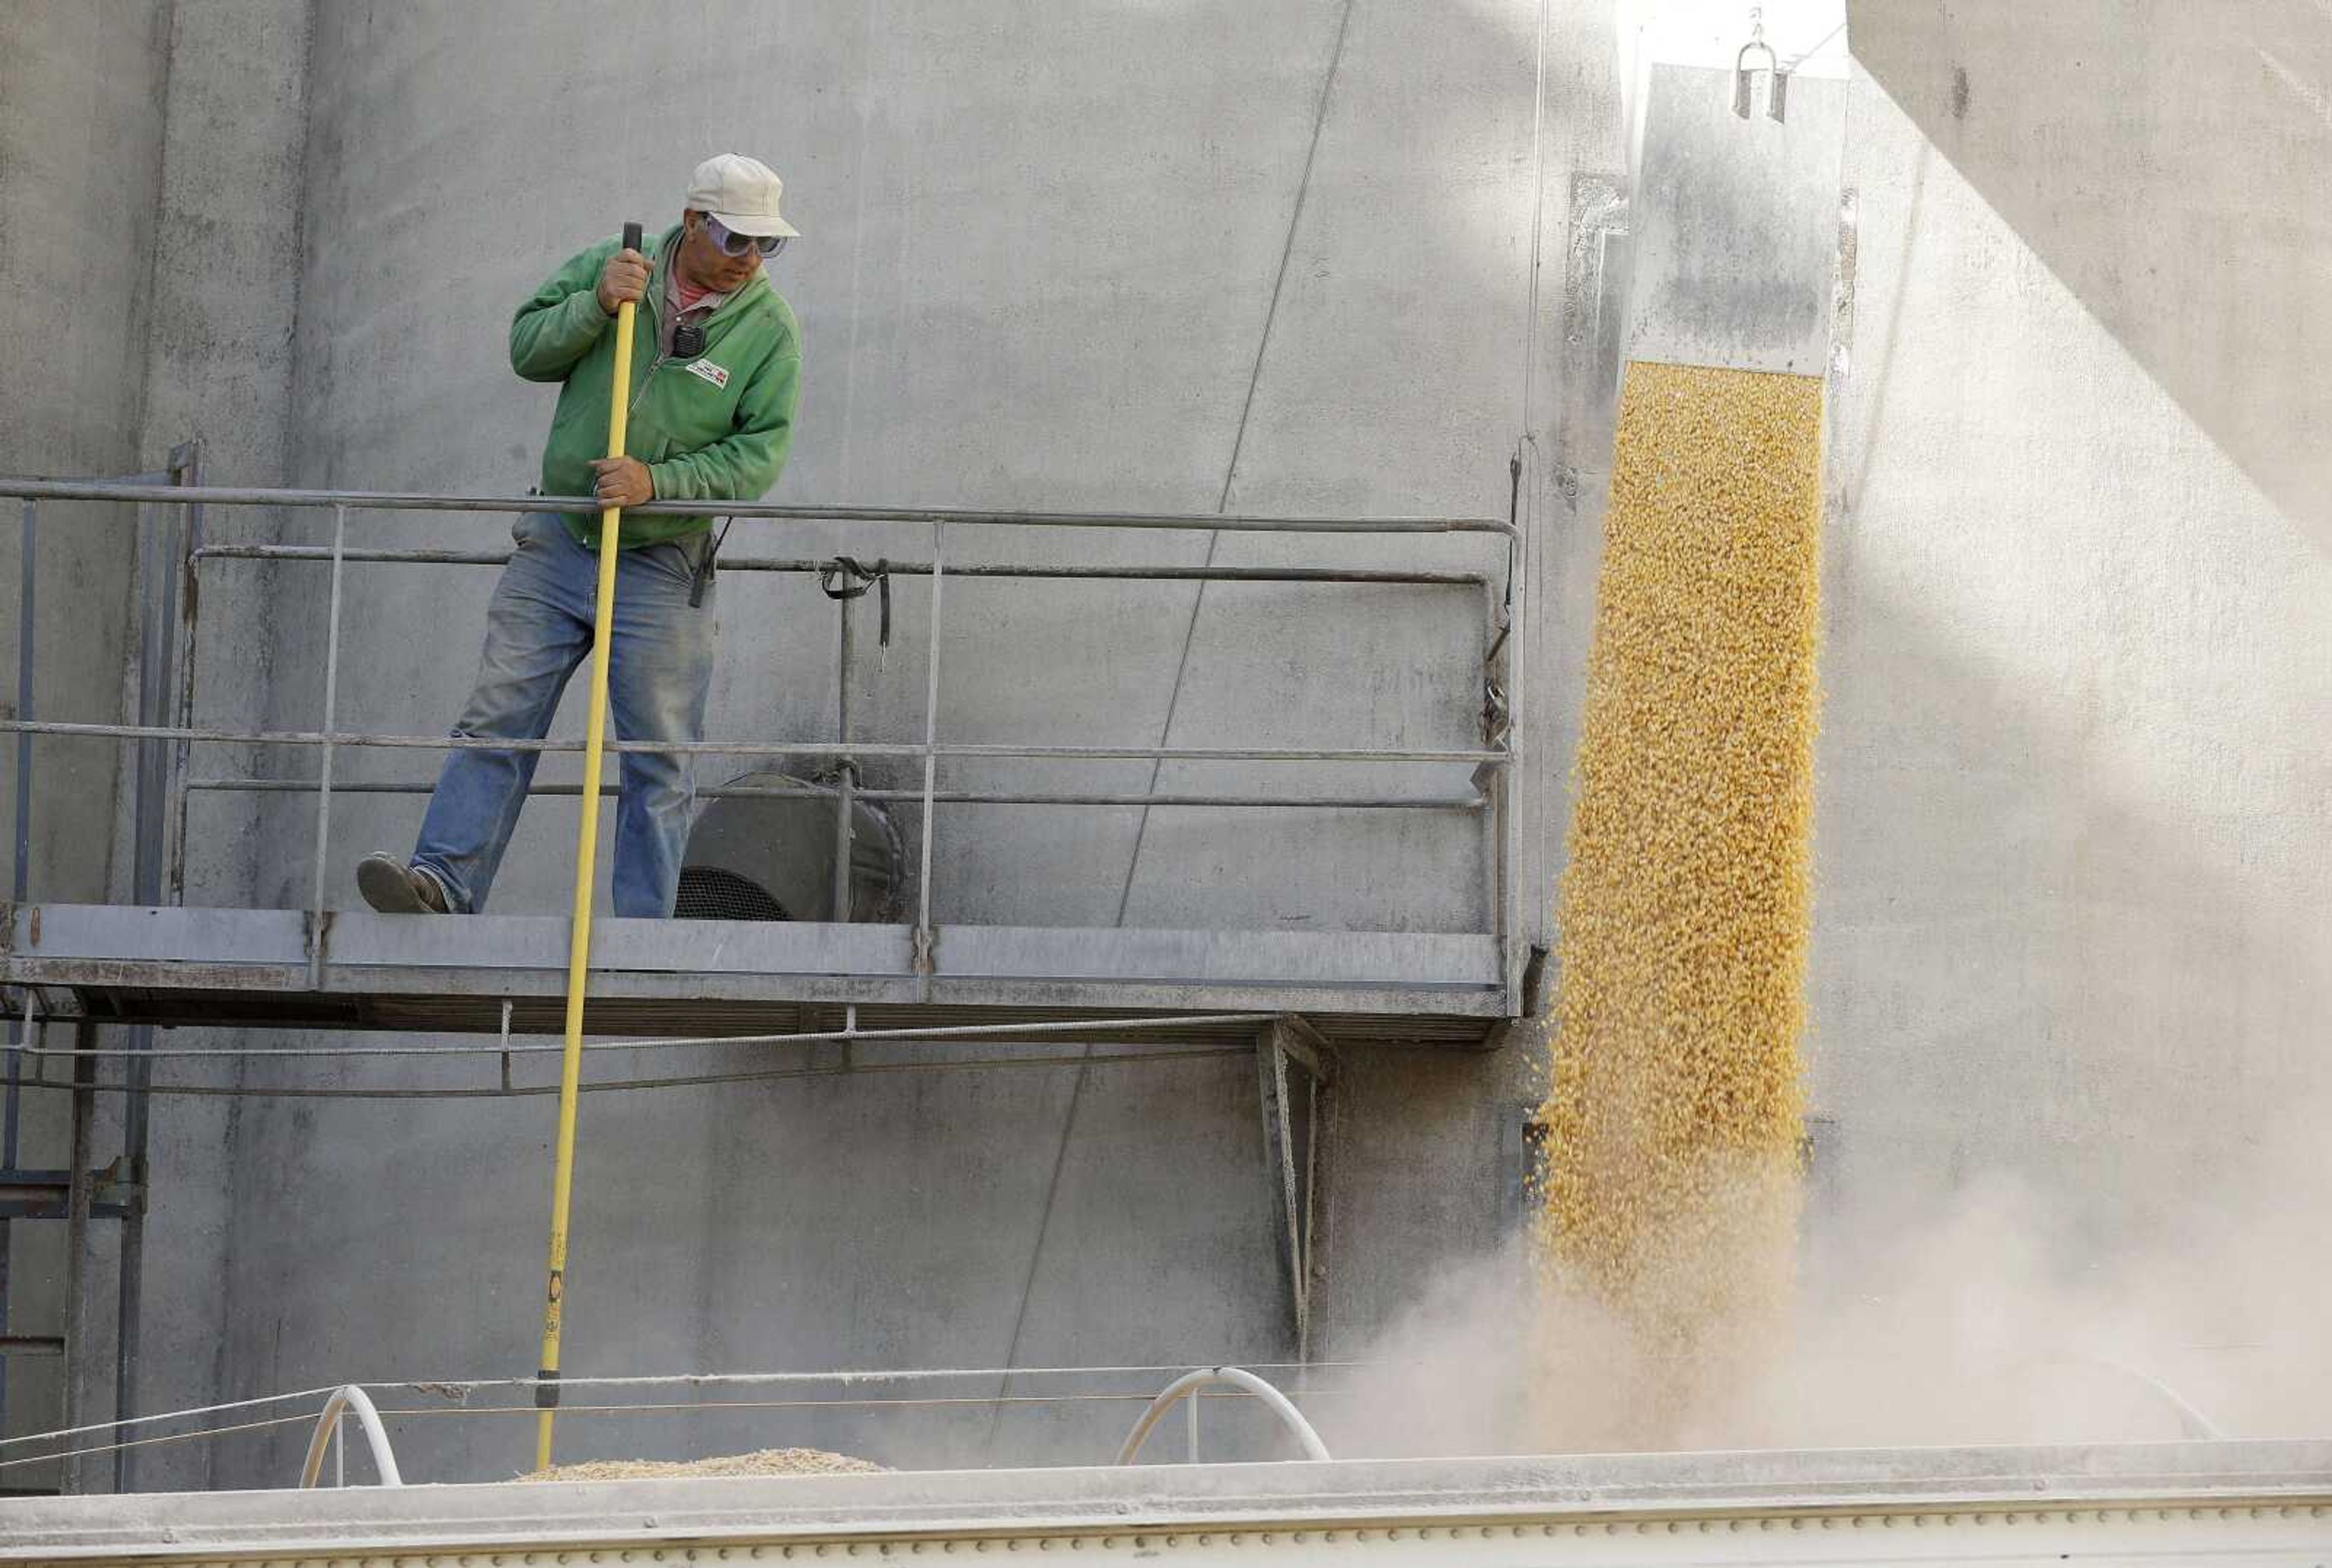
x=712, y=428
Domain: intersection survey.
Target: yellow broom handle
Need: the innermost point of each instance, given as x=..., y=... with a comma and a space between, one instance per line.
x=587, y=853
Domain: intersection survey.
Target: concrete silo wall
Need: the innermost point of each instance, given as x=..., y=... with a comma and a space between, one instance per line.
x=1255, y=258
x=2070, y=811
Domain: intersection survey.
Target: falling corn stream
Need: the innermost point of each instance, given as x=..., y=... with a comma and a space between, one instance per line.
x=1673, y=1119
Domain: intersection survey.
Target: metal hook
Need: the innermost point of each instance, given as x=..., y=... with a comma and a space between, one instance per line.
x=1743, y=93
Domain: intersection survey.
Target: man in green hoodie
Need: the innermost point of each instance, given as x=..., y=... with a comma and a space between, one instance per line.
x=714, y=386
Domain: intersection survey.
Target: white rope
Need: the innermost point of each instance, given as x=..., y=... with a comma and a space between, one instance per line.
x=460, y=1387
x=653, y=1409
x=1803, y=55
x=114, y=1447
x=756, y=1379
x=167, y=1416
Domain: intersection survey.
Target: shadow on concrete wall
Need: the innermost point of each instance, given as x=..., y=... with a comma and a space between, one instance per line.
x=2165, y=162
x=2044, y=947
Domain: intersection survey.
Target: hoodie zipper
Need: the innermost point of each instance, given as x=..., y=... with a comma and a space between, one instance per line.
x=655, y=365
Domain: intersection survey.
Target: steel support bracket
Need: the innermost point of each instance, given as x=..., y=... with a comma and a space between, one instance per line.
x=1311, y=1050
x=43, y=1194
x=319, y=933
x=1498, y=718
x=1293, y=1129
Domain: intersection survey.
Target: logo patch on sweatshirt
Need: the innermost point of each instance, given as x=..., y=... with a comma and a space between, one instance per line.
x=710, y=372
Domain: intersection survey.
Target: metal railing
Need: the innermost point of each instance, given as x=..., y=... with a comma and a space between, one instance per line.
x=1185, y=1391
x=780, y=1400
x=173, y=556
x=1345, y=1389
x=171, y=599
x=329, y=1437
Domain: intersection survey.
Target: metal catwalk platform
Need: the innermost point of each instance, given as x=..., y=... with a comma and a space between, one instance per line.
x=152, y=961
x=895, y=974
x=358, y=969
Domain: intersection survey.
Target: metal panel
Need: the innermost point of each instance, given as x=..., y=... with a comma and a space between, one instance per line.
x=691, y=948
x=1345, y=1017
x=1410, y=1010
x=250, y=966
x=1290, y=1074
x=185, y=944
x=180, y=936
x=47, y=1194
x=453, y=1000
x=1736, y=226
x=80, y=1189
x=20, y=881
x=1408, y=960
x=2257, y=1503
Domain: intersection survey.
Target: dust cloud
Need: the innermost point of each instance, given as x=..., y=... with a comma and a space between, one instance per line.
x=1996, y=1314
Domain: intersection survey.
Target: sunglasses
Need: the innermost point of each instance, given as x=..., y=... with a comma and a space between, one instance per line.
x=738, y=245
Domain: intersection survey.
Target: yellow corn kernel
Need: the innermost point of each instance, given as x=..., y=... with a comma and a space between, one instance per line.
x=1674, y=1107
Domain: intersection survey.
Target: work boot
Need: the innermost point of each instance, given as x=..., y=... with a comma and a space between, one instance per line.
x=393, y=888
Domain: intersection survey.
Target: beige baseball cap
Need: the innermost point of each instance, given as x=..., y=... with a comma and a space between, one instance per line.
x=741, y=192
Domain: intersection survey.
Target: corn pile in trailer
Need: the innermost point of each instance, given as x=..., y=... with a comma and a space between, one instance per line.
x=761, y=1462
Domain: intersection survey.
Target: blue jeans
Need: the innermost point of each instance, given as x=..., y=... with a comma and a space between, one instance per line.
x=538, y=631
